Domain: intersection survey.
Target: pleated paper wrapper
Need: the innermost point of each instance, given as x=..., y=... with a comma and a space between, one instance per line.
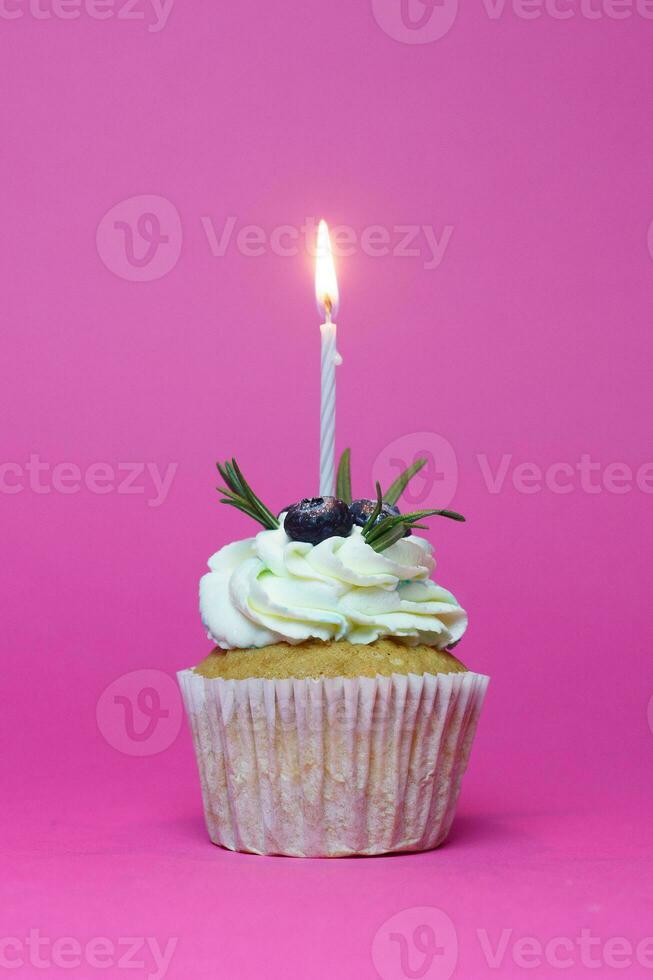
x=335, y=766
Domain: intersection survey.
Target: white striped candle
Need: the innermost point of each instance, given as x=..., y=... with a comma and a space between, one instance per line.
x=326, y=292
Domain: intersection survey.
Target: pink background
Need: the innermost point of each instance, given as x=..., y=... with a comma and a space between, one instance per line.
x=532, y=139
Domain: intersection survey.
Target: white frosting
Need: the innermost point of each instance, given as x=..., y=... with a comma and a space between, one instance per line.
x=270, y=589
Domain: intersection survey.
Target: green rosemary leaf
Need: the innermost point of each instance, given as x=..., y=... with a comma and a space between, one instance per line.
x=229, y=493
x=239, y=502
x=239, y=494
x=402, y=481
x=223, y=473
x=239, y=484
x=343, y=481
x=390, y=537
x=369, y=523
x=236, y=501
x=410, y=520
x=391, y=529
x=233, y=478
x=234, y=496
x=251, y=496
x=386, y=525
x=240, y=506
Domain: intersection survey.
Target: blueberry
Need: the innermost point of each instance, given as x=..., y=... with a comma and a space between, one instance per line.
x=316, y=518
x=361, y=510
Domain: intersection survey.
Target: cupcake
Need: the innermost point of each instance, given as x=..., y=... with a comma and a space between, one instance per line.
x=331, y=718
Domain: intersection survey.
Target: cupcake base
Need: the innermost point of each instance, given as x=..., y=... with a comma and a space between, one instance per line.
x=332, y=767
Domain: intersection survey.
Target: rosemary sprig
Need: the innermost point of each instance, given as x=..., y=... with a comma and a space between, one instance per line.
x=389, y=538
x=369, y=523
x=343, y=480
x=379, y=532
x=240, y=495
x=392, y=495
x=391, y=529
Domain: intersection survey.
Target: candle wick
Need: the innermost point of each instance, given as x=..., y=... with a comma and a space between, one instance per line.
x=328, y=307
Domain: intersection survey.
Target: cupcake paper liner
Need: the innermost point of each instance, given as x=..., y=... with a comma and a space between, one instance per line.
x=332, y=767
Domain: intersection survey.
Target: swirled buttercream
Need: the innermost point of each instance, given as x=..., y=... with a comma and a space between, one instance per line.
x=271, y=589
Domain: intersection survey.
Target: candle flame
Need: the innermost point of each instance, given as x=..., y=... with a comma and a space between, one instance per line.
x=326, y=284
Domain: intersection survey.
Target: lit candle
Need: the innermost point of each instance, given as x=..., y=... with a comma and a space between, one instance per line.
x=326, y=292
